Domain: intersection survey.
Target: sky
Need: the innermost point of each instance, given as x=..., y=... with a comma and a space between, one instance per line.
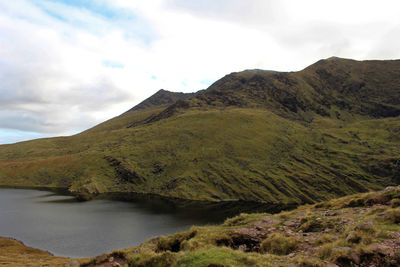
x=67, y=65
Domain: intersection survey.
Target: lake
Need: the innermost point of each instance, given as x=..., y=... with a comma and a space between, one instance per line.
x=66, y=227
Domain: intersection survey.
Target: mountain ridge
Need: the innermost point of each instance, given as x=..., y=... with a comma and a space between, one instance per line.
x=291, y=100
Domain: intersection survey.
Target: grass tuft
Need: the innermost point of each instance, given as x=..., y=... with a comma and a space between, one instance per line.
x=279, y=244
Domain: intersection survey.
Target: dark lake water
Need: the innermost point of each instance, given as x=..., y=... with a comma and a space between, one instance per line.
x=66, y=227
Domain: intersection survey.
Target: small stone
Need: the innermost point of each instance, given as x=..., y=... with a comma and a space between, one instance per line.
x=72, y=263
x=242, y=247
x=355, y=257
x=101, y=258
x=390, y=188
x=345, y=249
x=365, y=226
x=290, y=223
x=381, y=249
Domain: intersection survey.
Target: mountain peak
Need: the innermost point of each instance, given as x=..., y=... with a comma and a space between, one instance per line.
x=336, y=58
x=163, y=91
x=160, y=98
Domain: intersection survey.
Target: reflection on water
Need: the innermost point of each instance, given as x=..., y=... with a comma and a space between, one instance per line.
x=67, y=227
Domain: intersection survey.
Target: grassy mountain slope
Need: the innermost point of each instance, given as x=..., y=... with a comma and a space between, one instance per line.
x=329, y=130
x=358, y=230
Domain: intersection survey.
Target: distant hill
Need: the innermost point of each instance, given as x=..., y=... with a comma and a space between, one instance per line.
x=329, y=130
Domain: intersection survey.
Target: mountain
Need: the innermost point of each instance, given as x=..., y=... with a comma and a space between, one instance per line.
x=329, y=130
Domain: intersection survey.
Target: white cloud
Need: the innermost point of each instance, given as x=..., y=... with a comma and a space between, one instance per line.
x=65, y=68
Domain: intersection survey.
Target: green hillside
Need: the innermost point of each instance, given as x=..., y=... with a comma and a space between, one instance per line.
x=329, y=130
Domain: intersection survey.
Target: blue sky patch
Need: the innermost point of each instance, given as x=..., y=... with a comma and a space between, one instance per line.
x=112, y=64
x=9, y=136
x=207, y=82
x=132, y=25
x=98, y=7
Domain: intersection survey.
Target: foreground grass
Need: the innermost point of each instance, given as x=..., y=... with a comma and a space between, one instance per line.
x=358, y=230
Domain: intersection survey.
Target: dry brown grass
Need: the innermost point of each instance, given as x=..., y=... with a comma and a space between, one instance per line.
x=15, y=253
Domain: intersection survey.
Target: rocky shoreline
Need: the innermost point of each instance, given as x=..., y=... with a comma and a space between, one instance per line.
x=357, y=230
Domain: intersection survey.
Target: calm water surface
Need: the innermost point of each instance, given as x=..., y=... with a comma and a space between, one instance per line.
x=65, y=227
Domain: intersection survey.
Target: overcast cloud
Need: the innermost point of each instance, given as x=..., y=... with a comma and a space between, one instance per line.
x=66, y=65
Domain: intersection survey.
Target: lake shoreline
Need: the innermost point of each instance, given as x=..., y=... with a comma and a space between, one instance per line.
x=270, y=207
x=53, y=219
x=134, y=196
